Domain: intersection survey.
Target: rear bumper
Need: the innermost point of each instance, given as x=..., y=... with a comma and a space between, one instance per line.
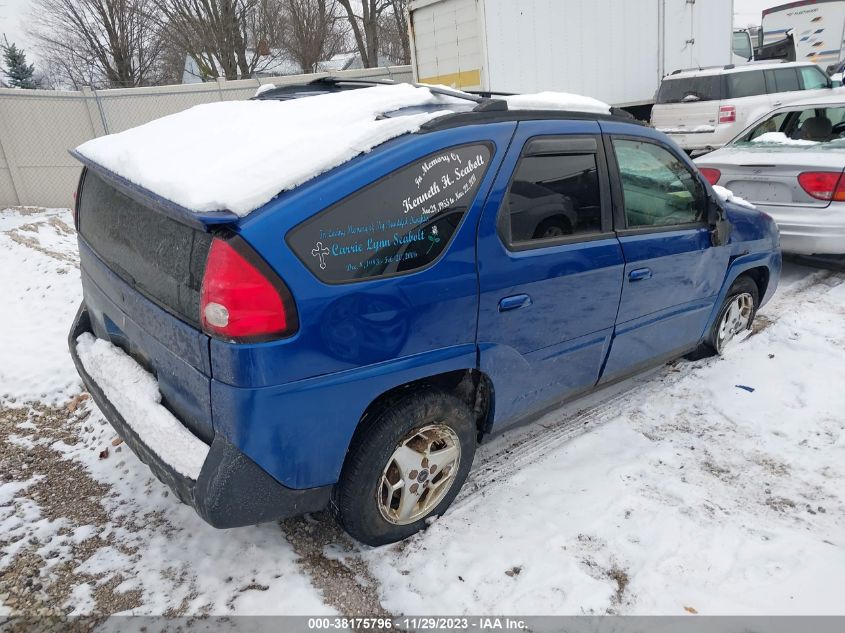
x=694, y=141
x=810, y=231
x=231, y=489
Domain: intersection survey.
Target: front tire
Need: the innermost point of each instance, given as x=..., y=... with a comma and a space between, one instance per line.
x=407, y=464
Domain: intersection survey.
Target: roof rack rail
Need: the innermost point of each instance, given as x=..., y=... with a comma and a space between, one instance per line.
x=490, y=93
x=686, y=70
x=483, y=102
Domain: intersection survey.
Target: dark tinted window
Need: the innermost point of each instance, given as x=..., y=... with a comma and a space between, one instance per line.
x=400, y=223
x=705, y=88
x=782, y=80
x=747, y=84
x=553, y=196
x=160, y=257
x=659, y=189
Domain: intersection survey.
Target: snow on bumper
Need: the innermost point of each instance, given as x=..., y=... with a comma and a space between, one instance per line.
x=134, y=393
x=224, y=486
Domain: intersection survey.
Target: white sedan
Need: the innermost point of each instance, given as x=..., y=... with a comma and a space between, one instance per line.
x=790, y=163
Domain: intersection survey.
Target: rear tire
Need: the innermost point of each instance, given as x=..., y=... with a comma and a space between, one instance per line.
x=391, y=482
x=735, y=315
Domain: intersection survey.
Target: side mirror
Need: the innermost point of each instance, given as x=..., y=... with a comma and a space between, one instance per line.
x=720, y=227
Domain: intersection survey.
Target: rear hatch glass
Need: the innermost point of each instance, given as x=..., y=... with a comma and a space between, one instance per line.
x=690, y=89
x=689, y=104
x=160, y=257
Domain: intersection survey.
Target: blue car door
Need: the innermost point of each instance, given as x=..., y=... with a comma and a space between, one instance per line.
x=672, y=271
x=550, y=268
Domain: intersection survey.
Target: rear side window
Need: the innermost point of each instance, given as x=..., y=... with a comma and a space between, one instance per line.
x=689, y=89
x=782, y=80
x=399, y=224
x=553, y=195
x=747, y=84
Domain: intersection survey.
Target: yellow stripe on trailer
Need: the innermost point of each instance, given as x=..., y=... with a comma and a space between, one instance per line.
x=463, y=79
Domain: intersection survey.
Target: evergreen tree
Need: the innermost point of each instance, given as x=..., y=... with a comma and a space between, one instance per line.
x=18, y=73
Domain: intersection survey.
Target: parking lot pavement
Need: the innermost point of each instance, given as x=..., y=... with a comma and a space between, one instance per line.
x=713, y=486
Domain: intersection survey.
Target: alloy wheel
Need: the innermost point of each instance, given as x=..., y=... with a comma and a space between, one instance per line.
x=736, y=318
x=418, y=474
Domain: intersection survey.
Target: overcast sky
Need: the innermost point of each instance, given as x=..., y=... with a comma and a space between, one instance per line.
x=14, y=14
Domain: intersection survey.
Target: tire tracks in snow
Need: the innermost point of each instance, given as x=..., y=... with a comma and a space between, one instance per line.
x=508, y=453
x=336, y=564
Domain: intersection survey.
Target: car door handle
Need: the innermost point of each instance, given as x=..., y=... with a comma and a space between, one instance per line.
x=514, y=302
x=639, y=274
x=777, y=103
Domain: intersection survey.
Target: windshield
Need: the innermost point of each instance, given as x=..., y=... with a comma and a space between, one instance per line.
x=686, y=89
x=810, y=127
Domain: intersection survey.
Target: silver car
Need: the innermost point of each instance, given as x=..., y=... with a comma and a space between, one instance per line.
x=790, y=164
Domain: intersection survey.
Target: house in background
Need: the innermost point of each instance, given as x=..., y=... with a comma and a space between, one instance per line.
x=349, y=61
x=278, y=64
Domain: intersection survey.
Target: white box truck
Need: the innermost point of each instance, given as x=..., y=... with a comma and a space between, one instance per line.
x=616, y=51
x=817, y=27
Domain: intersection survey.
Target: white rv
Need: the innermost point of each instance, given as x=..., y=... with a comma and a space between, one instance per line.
x=614, y=51
x=816, y=25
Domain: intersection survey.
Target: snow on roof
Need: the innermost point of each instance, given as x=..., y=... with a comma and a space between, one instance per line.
x=723, y=70
x=264, y=88
x=238, y=155
x=557, y=101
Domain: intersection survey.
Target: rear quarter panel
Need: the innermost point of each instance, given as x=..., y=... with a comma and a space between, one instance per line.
x=292, y=405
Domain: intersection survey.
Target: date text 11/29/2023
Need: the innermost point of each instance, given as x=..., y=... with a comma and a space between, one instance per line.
x=423, y=623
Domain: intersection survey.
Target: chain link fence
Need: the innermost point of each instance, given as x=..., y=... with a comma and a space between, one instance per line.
x=38, y=127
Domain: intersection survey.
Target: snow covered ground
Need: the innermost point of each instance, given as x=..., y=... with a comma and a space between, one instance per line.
x=715, y=486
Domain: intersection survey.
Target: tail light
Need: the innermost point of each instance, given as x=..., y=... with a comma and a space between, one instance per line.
x=823, y=185
x=727, y=114
x=75, y=210
x=712, y=175
x=76, y=197
x=242, y=298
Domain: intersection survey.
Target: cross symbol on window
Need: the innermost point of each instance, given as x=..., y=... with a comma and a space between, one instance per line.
x=321, y=252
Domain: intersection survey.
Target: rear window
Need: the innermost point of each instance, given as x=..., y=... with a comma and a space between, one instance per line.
x=158, y=256
x=399, y=224
x=686, y=89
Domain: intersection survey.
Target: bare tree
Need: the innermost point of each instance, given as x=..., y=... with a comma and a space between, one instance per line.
x=394, y=40
x=229, y=38
x=104, y=43
x=365, y=26
x=314, y=31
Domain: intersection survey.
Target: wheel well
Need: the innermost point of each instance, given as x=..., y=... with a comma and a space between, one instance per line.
x=760, y=276
x=470, y=385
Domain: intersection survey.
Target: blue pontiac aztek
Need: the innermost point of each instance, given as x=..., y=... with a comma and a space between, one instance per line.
x=348, y=344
